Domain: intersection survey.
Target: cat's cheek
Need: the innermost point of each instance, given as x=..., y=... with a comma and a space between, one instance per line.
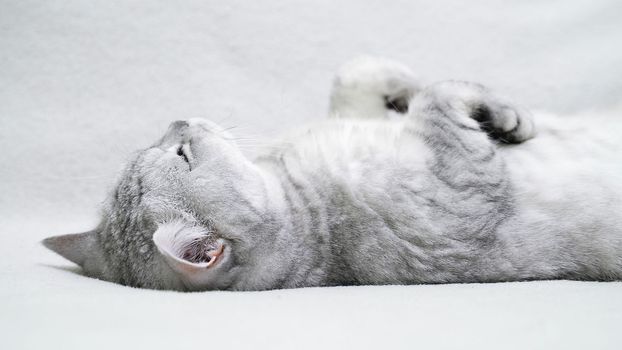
x=199, y=184
x=168, y=278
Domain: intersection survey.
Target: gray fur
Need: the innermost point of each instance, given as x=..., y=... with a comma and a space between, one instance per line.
x=439, y=206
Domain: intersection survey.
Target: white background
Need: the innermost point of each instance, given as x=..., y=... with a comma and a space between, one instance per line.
x=82, y=84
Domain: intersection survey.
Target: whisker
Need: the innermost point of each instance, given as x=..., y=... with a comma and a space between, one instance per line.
x=230, y=128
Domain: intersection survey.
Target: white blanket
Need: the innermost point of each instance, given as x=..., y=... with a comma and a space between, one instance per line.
x=82, y=84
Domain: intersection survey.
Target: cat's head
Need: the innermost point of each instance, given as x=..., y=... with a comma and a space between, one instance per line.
x=186, y=214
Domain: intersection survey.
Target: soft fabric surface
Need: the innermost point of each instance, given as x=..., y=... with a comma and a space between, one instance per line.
x=84, y=84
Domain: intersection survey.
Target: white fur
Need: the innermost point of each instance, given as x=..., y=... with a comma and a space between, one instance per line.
x=360, y=86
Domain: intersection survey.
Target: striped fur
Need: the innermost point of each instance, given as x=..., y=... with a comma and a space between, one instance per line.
x=437, y=196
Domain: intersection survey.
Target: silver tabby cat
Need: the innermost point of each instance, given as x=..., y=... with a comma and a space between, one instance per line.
x=447, y=193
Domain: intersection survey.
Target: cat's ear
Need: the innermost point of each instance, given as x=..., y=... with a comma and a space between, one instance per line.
x=189, y=250
x=76, y=247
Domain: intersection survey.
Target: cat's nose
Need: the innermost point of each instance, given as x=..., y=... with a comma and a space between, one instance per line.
x=176, y=129
x=179, y=125
x=174, y=134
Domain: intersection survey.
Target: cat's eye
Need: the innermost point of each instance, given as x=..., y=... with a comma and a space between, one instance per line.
x=182, y=153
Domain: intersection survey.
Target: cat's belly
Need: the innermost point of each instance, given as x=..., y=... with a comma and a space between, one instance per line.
x=569, y=167
x=390, y=219
x=567, y=187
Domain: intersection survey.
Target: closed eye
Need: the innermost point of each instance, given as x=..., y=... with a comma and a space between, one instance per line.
x=182, y=153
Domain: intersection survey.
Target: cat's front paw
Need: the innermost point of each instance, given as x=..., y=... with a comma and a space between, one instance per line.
x=505, y=122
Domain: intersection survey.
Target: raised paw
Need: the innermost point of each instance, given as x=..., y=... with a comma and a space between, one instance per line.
x=504, y=122
x=367, y=87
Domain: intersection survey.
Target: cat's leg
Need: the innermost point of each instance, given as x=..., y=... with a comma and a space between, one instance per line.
x=369, y=87
x=458, y=122
x=466, y=109
x=468, y=191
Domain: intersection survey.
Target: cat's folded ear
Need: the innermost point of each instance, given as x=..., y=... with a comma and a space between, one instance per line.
x=76, y=247
x=83, y=249
x=190, y=251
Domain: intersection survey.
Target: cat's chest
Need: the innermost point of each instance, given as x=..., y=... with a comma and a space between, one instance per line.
x=377, y=154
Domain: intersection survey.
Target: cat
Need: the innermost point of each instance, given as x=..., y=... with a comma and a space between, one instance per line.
x=454, y=191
